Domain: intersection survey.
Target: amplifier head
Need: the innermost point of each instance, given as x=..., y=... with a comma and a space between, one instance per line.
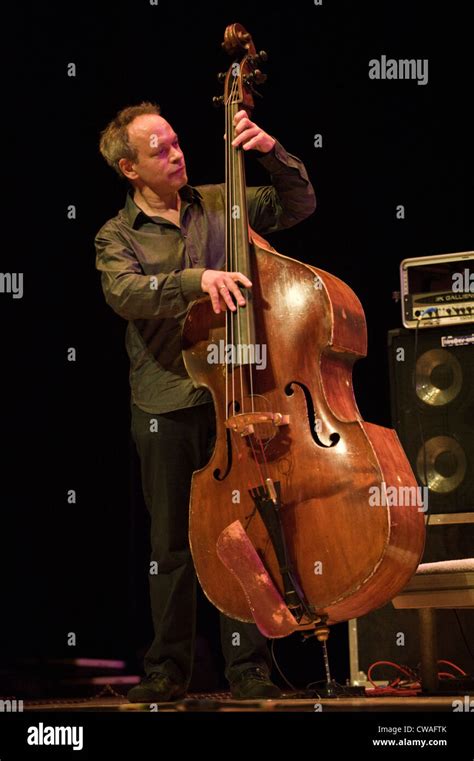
x=437, y=290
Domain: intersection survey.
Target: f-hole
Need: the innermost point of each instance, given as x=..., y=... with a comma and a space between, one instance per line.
x=310, y=411
x=233, y=409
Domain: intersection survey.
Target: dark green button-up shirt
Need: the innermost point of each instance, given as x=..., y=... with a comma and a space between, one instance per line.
x=151, y=271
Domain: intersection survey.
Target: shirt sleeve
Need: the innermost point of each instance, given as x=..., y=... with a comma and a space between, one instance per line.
x=289, y=199
x=134, y=295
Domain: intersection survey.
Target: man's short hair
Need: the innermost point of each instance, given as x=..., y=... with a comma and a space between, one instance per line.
x=114, y=139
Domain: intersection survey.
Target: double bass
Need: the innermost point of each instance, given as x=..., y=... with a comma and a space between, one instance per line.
x=282, y=527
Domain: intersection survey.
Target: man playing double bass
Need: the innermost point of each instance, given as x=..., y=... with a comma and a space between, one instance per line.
x=164, y=249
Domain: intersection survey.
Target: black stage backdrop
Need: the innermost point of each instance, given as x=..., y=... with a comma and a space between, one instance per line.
x=81, y=566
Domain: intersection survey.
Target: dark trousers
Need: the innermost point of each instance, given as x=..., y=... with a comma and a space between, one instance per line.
x=182, y=443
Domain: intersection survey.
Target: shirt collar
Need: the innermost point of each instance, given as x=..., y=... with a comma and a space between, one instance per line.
x=135, y=216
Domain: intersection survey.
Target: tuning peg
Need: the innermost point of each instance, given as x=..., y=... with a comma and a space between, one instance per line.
x=218, y=101
x=221, y=77
x=256, y=77
x=258, y=59
x=260, y=77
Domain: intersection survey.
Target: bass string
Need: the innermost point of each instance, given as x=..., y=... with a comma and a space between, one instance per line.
x=233, y=221
x=230, y=249
x=232, y=184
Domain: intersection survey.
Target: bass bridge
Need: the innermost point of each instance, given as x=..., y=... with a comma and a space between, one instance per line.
x=245, y=422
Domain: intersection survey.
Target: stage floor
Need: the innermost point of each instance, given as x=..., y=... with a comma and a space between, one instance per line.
x=223, y=702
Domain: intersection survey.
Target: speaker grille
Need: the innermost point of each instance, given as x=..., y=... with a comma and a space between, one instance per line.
x=432, y=398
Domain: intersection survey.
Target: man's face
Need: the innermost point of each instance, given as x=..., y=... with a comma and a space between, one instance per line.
x=160, y=162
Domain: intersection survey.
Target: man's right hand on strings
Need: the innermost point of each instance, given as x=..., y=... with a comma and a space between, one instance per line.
x=220, y=285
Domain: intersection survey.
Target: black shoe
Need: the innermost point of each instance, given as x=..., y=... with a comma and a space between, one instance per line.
x=254, y=683
x=156, y=688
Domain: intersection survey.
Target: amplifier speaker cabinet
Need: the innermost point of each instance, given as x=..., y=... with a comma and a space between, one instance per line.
x=432, y=402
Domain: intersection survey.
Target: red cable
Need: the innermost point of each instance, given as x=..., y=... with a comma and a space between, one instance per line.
x=453, y=666
x=403, y=670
